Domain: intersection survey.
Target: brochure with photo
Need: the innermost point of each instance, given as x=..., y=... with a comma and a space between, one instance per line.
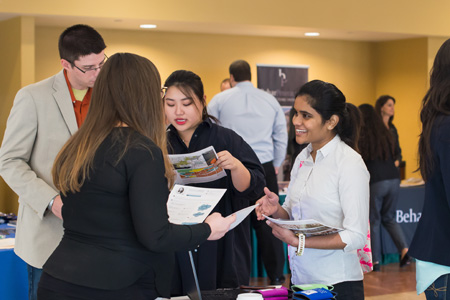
x=197, y=166
x=308, y=227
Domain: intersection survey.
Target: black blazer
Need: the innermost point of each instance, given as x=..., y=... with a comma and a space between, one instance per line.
x=116, y=227
x=431, y=240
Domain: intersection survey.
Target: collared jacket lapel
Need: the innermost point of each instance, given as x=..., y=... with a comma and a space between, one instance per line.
x=62, y=98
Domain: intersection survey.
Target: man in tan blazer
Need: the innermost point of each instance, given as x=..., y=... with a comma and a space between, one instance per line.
x=43, y=117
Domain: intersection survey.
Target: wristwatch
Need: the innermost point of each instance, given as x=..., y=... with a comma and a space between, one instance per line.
x=50, y=205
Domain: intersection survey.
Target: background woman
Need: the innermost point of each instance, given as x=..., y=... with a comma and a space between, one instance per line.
x=385, y=108
x=224, y=263
x=431, y=242
x=113, y=175
x=377, y=147
x=329, y=183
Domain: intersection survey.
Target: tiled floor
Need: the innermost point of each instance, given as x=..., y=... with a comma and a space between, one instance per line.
x=391, y=283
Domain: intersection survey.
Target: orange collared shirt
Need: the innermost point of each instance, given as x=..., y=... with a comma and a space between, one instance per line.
x=80, y=107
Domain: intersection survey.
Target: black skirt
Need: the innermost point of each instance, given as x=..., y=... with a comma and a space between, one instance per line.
x=51, y=288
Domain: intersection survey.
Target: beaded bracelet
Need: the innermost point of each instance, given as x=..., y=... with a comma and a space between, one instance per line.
x=301, y=244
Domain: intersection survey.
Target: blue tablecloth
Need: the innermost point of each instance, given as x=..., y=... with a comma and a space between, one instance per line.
x=409, y=210
x=13, y=275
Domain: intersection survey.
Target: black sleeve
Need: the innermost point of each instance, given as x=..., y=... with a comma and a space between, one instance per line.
x=245, y=154
x=148, y=194
x=397, y=149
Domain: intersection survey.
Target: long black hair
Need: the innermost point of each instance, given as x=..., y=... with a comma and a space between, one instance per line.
x=328, y=100
x=376, y=141
x=435, y=104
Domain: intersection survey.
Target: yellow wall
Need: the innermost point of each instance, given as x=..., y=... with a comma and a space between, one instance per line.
x=433, y=46
x=347, y=64
x=401, y=71
x=17, y=65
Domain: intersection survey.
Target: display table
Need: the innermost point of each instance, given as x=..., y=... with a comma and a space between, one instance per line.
x=409, y=210
x=13, y=275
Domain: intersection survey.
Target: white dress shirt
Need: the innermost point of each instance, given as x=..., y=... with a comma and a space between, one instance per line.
x=334, y=190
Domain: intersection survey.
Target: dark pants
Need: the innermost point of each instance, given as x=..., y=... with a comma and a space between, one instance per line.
x=34, y=275
x=439, y=290
x=271, y=248
x=383, y=205
x=349, y=290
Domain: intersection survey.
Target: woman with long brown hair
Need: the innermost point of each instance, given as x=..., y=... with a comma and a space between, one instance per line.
x=114, y=175
x=431, y=242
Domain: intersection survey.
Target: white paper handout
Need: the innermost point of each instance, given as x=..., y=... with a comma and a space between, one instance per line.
x=308, y=227
x=191, y=205
x=7, y=243
x=241, y=215
x=197, y=166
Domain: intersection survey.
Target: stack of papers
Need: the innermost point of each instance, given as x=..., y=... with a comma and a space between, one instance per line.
x=308, y=227
x=412, y=182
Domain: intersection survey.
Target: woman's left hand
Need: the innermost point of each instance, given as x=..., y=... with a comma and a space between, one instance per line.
x=227, y=161
x=283, y=234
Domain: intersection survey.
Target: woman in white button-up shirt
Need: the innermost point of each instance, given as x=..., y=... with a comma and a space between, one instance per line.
x=329, y=183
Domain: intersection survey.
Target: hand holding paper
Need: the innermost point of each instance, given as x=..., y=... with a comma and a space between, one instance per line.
x=219, y=225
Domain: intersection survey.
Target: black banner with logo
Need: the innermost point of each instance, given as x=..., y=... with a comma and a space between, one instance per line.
x=281, y=81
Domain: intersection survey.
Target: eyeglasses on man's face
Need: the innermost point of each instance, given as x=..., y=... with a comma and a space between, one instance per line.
x=90, y=69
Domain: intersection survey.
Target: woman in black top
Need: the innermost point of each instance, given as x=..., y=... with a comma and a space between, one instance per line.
x=377, y=147
x=224, y=263
x=385, y=109
x=113, y=175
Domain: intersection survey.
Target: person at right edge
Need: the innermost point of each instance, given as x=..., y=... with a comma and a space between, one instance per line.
x=431, y=242
x=377, y=147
